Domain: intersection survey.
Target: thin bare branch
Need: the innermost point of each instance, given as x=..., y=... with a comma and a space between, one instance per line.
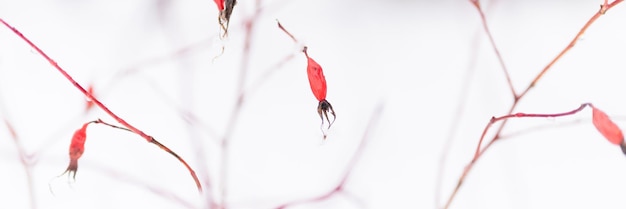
x=495, y=48
x=480, y=152
x=339, y=188
x=102, y=106
x=603, y=9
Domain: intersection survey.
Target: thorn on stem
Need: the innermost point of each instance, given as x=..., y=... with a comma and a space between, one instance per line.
x=603, y=8
x=287, y=32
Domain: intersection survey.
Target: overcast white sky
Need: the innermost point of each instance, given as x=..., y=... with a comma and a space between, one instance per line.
x=419, y=60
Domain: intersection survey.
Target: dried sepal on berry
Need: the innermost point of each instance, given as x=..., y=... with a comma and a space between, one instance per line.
x=607, y=127
x=323, y=108
x=226, y=10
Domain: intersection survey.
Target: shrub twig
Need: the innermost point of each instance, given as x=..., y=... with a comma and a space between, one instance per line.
x=97, y=102
x=479, y=148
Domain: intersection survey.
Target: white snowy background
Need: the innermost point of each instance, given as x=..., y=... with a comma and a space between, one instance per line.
x=428, y=64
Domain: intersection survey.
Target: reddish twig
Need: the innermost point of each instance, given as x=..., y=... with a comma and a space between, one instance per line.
x=339, y=188
x=287, y=32
x=603, y=9
x=479, y=151
x=147, y=137
x=540, y=115
x=504, y=119
x=476, y=4
x=563, y=124
x=547, y=67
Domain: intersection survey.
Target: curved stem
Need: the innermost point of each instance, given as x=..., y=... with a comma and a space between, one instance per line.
x=102, y=106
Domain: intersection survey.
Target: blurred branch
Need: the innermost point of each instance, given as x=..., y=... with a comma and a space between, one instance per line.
x=476, y=4
x=25, y=159
x=340, y=187
x=232, y=121
x=26, y=162
x=161, y=192
x=457, y=117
